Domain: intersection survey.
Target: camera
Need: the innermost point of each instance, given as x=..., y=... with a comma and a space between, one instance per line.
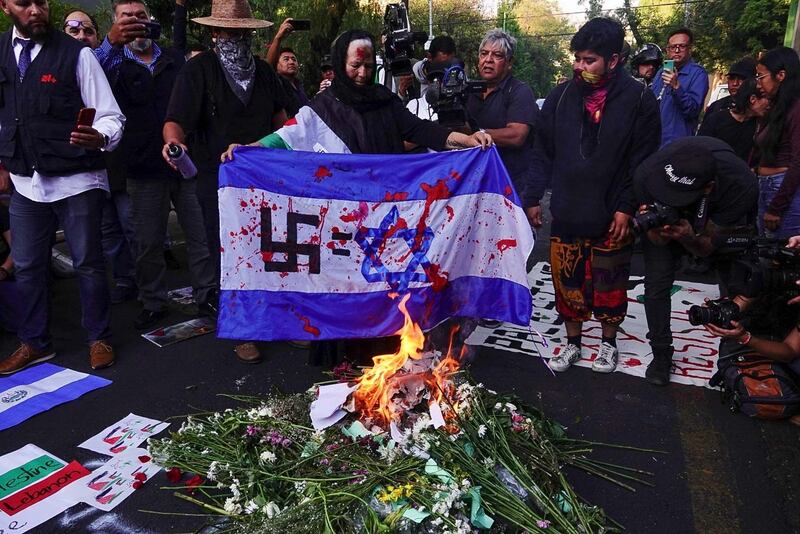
x=152, y=30
x=718, y=312
x=765, y=266
x=655, y=215
x=448, y=91
x=399, y=45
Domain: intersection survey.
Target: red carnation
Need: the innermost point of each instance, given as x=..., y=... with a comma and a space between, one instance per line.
x=193, y=482
x=174, y=474
x=137, y=484
x=144, y=458
x=141, y=477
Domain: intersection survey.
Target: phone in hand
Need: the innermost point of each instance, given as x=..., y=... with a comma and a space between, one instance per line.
x=301, y=25
x=152, y=30
x=669, y=64
x=85, y=117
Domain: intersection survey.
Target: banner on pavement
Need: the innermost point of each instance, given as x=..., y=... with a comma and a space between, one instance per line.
x=129, y=432
x=314, y=246
x=696, y=351
x=32, y=487
x=39, y=388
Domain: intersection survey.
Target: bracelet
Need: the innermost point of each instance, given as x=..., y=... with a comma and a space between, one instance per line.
x=745, y=339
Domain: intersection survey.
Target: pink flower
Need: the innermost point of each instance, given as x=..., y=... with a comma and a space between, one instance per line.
x=543, y=523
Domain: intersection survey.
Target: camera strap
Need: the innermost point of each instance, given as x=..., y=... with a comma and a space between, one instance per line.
x=701, y=215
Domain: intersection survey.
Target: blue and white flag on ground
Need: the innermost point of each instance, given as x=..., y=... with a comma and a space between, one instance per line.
x=39, y=388
x=318, y=246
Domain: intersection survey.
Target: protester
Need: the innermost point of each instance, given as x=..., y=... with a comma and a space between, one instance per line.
x=737, y=124
x=506, y=110
x=143, y=75
x=82, y=27
x=223, y=96
x=714, y=192
x=357, y=115
x=326, y=69
x=740, y=71
x=646, y=62
x=682, y=91
x=58, y=173
x=284, y=61
x=442, y=50
x=593, y=200
x=779, y=144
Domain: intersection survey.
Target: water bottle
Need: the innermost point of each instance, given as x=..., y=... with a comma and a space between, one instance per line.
x=182, y=161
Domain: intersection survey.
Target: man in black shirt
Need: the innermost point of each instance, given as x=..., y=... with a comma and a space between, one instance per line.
x=713, y=190
x=223, y=96
x=737, y=74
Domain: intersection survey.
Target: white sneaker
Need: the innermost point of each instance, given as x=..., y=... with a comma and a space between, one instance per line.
x=606, y=360
x=568, y=355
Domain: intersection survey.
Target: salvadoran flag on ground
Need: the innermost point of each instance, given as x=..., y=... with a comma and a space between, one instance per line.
x=39, y=388
x=319, y=246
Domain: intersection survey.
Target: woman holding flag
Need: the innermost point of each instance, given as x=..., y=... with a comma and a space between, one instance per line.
x=358, y=116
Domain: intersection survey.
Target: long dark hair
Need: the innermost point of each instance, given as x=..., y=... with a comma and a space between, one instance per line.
x=776, y=60
x=741, y=100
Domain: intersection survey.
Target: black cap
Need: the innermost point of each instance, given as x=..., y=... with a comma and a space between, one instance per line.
x=678, y=174
x=744, y=68
x=326, y=63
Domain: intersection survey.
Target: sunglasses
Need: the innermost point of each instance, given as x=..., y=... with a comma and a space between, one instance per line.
x=75, y=24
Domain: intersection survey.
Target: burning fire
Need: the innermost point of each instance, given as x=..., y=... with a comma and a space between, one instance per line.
x=396, y=382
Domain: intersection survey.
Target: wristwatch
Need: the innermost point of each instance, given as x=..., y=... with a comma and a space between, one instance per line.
x=105, y=140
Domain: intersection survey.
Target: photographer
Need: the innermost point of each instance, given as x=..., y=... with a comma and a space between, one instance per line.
x=690, y=192
x=442, y=50
x=506, y=109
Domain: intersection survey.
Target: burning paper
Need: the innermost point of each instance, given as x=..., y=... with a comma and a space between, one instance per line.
x=327, y=409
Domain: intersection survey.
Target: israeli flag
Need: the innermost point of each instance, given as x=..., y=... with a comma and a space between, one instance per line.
x=321, y=246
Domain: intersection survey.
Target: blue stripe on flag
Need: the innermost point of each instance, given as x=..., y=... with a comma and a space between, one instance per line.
x=45, y=401
x=367, y=177
x=275, y=315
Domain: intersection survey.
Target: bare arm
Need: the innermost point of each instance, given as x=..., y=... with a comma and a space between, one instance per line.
x=173, y=134
x=512, y=136
x=273, y=52
x=780, y=351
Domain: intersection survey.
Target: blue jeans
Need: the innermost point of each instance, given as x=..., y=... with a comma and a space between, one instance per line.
x=790, y=219
x=117, y=230
x=32, y=225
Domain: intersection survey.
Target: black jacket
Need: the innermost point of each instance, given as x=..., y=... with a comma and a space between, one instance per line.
x=591, y=165
x=38, y=114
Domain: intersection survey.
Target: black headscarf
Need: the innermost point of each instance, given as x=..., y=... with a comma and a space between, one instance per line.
x=361, y=98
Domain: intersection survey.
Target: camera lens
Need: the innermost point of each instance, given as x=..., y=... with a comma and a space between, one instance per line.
x=700, y=315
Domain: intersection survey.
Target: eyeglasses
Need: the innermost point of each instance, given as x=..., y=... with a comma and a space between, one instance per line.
x=678, y=47
x=761, y=76
x=76, y=24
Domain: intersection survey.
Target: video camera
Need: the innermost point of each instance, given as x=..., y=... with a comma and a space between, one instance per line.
x=399, y=45
x=653, y=216
x=448, y=91
x=762, y=265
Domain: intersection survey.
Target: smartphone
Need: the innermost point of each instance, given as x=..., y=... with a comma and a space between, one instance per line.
x=301, y=25
x=152, y=30
x=85, y=117
x=669, y=64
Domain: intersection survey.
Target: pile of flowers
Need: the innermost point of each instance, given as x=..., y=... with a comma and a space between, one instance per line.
x=495, y=464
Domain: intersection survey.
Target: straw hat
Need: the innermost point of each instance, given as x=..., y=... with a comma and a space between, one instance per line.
x=232, y=14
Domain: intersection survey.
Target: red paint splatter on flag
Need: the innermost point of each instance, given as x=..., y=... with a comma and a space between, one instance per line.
x=322, y=173
x=505, y=244
x=402, y=195
x=450, y=213
x=356, y=215
x=437, y=277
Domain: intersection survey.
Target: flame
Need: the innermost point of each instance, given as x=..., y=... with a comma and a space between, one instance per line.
x=373, y=396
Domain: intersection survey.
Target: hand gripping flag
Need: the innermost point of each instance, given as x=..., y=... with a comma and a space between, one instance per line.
x=319, y=246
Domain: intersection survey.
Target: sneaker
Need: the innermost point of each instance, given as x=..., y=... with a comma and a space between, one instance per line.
x=23, y=357
x=568, y=355
x=606, y=360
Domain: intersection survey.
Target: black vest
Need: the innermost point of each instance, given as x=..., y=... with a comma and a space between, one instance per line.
x=38, y=114
x=143, y=98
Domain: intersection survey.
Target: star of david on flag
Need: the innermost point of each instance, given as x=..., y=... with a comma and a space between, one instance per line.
x=318, y=246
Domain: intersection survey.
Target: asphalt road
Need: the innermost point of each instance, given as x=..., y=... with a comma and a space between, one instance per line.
x=721, y=472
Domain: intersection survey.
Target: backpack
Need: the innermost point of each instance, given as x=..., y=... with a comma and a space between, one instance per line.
x=758, y=387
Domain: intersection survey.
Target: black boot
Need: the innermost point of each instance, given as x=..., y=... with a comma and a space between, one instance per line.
x=658, y=371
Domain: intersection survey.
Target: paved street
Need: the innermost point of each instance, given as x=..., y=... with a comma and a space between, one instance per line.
x=721, y=473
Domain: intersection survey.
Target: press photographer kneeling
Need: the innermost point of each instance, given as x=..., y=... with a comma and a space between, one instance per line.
x=690, y=192
x=762, y=377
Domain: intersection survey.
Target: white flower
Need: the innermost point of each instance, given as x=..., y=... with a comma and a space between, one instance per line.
x=511, y=407
x=488, y=462
x=466, y=484
x=300, y=486
x=481, y=431
x=498, y=406
x=265, y=411
x=268, y=456
x=236, y=494
x=232, y=507
x=251, y=507
x=212, y=470
x=271, y=509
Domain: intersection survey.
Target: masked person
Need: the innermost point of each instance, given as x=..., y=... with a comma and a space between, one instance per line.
x=356, y=115
x=223, y=96
x=592, y=134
